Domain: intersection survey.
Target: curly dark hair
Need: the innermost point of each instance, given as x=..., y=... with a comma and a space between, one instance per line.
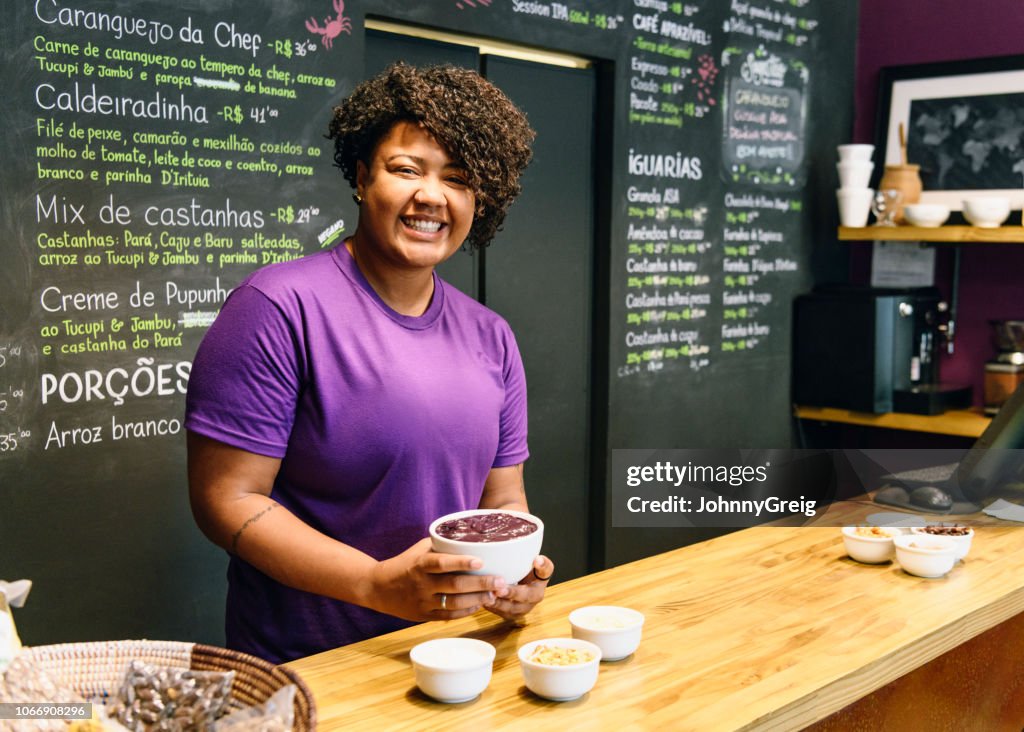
x=477, y=125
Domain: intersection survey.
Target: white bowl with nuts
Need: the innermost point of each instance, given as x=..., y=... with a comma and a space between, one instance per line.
x=870, y=544
x=560, y=669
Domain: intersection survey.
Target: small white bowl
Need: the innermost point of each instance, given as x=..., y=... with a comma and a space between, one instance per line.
x=927, y=215
x=511, y=559
x=987, y=212
x=855, y=173
x=925, y=556
x=453, y=670
x=560, y=683
x=854, y=206
x=870, y=549
x=963, y=543
x=855, y=151
x=615, y=630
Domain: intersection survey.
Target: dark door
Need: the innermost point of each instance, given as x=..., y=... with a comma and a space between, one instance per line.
x=538, y=275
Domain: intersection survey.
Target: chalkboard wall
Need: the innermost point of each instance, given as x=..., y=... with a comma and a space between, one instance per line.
x=156, y=153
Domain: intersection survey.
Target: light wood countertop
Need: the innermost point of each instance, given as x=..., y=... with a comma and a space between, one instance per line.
x=765, y=628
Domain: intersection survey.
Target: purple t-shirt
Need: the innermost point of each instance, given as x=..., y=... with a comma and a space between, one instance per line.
x=383, y=422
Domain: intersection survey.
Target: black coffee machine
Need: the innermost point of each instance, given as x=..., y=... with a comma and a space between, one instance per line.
x=871, y=350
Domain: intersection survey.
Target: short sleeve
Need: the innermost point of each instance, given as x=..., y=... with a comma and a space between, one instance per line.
x=512, y=446
x=246, y=376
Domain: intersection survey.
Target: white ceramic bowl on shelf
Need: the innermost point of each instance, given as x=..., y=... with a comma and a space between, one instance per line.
x=987, y=212
x=855, y=151
x=928, y=215
x=453, y=670
x=615, y=630
x=854, y=206
x=511, y=558
x=855, y=173
x=924, y=555
x=870, y=549
x=560, y=682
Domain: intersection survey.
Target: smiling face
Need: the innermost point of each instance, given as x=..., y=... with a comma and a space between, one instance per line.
x=417, y=205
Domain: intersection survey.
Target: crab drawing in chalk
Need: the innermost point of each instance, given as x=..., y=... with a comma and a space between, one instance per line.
x=332, y=28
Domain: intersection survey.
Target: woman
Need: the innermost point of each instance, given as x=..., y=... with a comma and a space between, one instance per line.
x=343, y=401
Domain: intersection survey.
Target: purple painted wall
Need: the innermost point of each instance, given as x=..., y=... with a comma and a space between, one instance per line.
x=920, y=31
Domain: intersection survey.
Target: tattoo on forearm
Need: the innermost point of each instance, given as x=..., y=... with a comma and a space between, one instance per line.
x=251, y=520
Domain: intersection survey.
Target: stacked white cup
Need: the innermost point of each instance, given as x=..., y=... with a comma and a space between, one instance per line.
x=854, y=195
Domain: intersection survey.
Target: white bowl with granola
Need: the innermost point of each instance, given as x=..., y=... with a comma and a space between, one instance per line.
x=560, y=669
x=615, y=630
x=870, y=544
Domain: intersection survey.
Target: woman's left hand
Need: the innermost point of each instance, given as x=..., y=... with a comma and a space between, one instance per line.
x=520, y=599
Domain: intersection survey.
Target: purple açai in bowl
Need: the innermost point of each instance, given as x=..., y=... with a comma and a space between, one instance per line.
x=486, y=527
x=507, y=543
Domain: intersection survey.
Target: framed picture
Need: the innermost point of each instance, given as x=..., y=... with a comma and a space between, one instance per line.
x=964, y=123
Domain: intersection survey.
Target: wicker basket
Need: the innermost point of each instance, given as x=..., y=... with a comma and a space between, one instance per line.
x=96, y=669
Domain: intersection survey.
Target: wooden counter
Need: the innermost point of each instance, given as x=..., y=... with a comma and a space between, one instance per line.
x=765, y=628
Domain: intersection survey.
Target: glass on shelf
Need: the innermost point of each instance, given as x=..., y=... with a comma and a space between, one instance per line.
x=885, y=205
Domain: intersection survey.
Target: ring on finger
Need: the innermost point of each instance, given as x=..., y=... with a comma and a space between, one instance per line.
x=444, y=602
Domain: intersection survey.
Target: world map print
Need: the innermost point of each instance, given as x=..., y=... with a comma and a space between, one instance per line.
x=968, y=143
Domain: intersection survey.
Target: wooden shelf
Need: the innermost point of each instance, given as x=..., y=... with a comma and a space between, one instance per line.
x=952, y=234
x=961, y=423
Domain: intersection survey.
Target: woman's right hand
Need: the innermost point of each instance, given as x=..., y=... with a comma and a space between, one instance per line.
x=421, y=584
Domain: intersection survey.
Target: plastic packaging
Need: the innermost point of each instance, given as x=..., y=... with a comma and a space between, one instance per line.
x=12, y=594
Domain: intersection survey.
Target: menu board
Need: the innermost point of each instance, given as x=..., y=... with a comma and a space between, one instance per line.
x=669, y=274
x=154, y=157
x=709, y=228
